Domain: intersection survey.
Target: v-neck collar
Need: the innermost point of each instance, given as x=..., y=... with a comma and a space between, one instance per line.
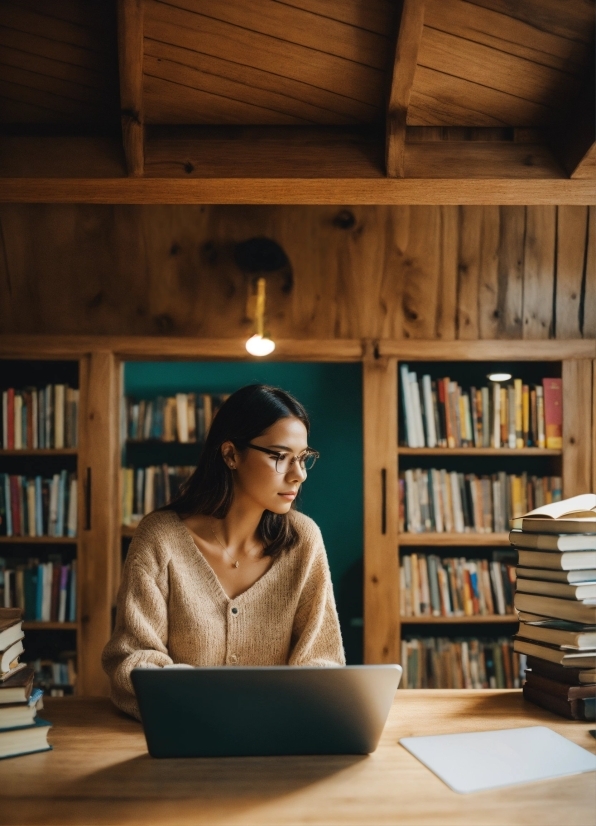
x=212, y=577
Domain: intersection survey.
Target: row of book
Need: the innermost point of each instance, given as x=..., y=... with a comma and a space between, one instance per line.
x=21, y=730
x=146, y=488
x=40, y=417
x=57, y=678
x=38, y=506
x=455, y=587
x=185, y=417
x=441, y=662
x=440, y=413
x=438, y=500
x=44, y=591
x=556, y=603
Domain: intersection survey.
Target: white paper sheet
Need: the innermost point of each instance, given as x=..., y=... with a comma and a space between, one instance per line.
x=483, y=760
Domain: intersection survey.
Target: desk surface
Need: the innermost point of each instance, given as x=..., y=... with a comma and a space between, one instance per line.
x=100, y=773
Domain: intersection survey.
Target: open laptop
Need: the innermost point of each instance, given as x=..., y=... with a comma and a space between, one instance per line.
x=217, y=712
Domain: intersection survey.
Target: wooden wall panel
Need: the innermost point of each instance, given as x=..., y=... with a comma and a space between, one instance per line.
x=424, y=272
x=577, y=427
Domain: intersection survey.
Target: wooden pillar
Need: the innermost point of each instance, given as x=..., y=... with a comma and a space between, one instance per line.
x=578, y=436
x=381, y=574
x=99, y=514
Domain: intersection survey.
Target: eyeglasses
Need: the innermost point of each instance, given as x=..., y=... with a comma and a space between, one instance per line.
x=284, y=461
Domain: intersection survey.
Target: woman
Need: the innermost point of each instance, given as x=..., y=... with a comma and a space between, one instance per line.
x=230, y=573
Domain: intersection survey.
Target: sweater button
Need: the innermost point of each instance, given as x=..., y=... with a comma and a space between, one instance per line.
x=234, y=610
x=233, y=658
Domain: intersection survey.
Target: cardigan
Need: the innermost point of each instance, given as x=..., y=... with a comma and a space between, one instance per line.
x=172, y=609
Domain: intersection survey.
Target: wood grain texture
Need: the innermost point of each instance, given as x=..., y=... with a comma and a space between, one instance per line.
x=130, y=61
x=572, y=237
x=381, y=572
x=100, y=773
x=539, y=271
x=402, y=78
x=577, y=427
x=389, y=273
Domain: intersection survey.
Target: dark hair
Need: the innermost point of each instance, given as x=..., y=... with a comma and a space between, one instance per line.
x=246, y=414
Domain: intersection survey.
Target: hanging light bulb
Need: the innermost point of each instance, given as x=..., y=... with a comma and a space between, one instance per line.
x=260, y=344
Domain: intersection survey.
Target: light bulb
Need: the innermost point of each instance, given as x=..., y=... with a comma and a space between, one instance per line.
x=499, y=376
x=260, y=345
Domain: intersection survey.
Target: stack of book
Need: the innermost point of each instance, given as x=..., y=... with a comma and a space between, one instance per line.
x=185, y=417
x=455, y=587
x=21, y=731
x=556, y=601
x=440, y=413
x=44, y=417
x=438, y=500
x=146, y=488
x=442, y=662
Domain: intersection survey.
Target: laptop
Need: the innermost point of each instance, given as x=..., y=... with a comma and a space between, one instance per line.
x=223, y=712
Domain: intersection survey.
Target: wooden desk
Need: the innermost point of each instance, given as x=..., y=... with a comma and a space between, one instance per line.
x=100, y=773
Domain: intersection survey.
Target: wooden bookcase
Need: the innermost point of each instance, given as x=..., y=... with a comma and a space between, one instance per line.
x=384, y=627
x=98, y=543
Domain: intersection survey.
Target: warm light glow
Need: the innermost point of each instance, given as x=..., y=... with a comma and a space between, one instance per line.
x=260, y=345
x=499, y=376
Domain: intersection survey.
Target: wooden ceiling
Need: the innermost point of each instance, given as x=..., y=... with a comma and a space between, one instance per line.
x=323, y=97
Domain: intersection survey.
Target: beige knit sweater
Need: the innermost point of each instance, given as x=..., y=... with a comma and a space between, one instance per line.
x=172, y=608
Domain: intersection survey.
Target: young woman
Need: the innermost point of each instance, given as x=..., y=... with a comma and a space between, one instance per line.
x=230, y=573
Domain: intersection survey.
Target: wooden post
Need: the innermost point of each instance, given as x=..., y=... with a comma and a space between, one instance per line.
x=130, y=62
x=99, y=512
x=578, y=437
x=381, y=574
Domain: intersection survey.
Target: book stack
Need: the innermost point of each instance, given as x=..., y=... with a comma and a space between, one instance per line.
x=39, y=418
x=185, y=417
x=556, y=601
x=21, y=731
x=146, y=488
x=440, y=413
x=441, y=662
x=438, y=500
x=455, y=587
x=36, y=506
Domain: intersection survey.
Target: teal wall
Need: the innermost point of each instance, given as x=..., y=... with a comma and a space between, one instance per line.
x=333, y=492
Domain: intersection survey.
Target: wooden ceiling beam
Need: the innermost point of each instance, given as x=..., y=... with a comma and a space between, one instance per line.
x=295, y=190
x=404, y=67
x=574, y=138
x=130, y=62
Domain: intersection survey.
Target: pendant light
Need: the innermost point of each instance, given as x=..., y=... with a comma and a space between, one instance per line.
x=260, y=344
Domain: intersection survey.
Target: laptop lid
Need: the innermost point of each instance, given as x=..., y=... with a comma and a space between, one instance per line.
x=233, y=711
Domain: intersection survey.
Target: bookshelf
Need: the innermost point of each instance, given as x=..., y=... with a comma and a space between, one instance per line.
x=372, y=469
x=39, y=385
x=387, y=456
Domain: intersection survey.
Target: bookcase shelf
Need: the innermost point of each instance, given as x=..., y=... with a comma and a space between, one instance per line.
x=49, y=451
x=39, y=540
x=497, y=619
x=128, y=530
x=30, y=625
x=478, y=451
x=454, y=539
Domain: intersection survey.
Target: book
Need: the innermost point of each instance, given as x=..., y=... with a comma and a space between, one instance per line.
x=557, y=576
x=553, y=412
x=564, y=657
x=566, y=561
x=11, y=627
x=559, y=689
x=565, y=609
x=17, y=687
x=579, y=591
x=574, y=515
x=559, y=705
x=25, y=740
x=552, y=541
x=564, y=634
x=16, y=716
x=555, y=671
x=10, y=655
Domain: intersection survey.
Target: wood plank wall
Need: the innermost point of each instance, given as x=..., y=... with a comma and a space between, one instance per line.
x=388, y=272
